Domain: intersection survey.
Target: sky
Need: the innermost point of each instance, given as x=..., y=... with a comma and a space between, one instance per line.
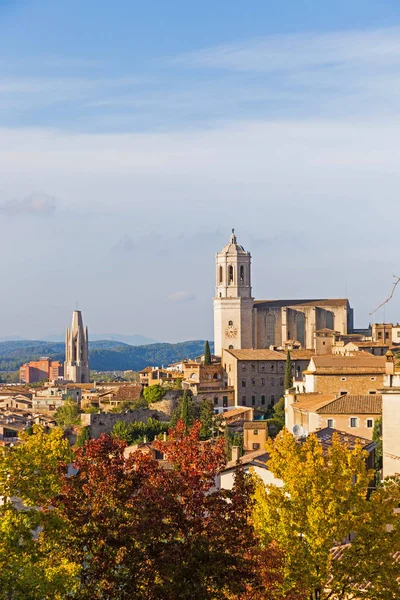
x=135, y=135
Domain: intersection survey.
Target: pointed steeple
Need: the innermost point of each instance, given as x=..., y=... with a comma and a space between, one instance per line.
x=77, y=351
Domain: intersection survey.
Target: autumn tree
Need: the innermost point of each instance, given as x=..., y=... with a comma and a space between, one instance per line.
x=322, y=501
x=30, y=476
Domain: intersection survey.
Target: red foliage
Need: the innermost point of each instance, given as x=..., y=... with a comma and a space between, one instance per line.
x=143, y=531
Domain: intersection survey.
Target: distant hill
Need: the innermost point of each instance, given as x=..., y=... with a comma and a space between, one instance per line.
x=105, y=355
x=132, y=340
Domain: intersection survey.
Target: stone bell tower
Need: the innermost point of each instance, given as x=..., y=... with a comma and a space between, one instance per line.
x=76, y=367
x=233, y=302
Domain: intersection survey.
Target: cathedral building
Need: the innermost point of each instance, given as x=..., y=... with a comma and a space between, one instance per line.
x=241, y=322
x=76, y=367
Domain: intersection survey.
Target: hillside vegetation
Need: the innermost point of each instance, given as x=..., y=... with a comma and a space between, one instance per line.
x=105, y=355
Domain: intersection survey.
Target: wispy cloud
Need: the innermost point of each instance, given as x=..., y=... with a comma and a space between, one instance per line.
x=181, y=296
x=37, y=204
x=306, y=50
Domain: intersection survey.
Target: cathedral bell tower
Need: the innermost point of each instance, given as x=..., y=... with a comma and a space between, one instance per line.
x=76, y=366
x=233, y=302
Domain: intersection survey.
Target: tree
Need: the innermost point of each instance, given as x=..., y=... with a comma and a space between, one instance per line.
x=68, y=414
x=154, y=393
x=122, y=431
x=206, y=419
x=288, y=381
x=207, y=353
x=322, y=501
x=83, y=436
x=137, y=530
x=33, y=474
x=377, y=438
x=186, y=410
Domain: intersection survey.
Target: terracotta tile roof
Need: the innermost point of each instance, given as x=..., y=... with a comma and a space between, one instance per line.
x=302, y=354
x=256, y=425
x=312, y=402
x=371, y=344
x=336, y=363
x=367, y=404
x=235, y=412
x=257, y=354
x=260, y=457
x=310, y=302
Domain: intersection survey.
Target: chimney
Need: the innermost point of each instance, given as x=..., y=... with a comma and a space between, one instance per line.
x=235, y=453
x=165, y=436
x=145, y=439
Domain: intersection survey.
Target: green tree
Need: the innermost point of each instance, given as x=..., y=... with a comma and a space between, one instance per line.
x=122, y=431
x=68, y=414
x=322, y=501
x=154, y=393
x=377, y=438
x=207, y=353
x=288, y=381
x=187, y=415
x=83, y=436
x=206, y=419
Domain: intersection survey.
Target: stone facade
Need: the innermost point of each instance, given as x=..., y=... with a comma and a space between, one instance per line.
x=355, y=375
x=241, y=322
x=257, y=376
x=76, y=368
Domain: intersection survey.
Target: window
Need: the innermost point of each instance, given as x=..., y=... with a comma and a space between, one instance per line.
x=370, y=423
x=253, y=366
x=220, y=275
x=343, y=393
x=353, y=422
x=256, y=446
x=262, y=399
x=300, y=328
x=230, y=348
x=253, y=381
x=225, y=401
x=243, y=383
x=230, y=323
x=253, y=400
x=272, y=367
x=281, y=381
x=270, y=329
x=343, y=379
x=398, y=334
x=329, y=423
x=255, y=432
x=262, y=380
x=230, y=274
x=373, y=378
x=215, y=400
x=243, y=366
x=330, y=320
x=242, y=274
x=262, y=367
x=159, y=455
x=272, y=381
x=372, y=391
x=272, y=399
x=244, y=400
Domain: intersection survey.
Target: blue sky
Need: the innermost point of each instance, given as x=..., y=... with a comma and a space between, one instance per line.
x=134, y=135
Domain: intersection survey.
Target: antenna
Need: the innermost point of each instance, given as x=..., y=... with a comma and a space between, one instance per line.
x=298, y=431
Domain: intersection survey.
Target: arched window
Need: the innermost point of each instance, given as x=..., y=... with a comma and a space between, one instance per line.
x=230, y=323
x=270, y=329
x=242, y=274
x=220, y=275
x=230, y=347
x=230, y=274
x=330, y=320
x=300, y=328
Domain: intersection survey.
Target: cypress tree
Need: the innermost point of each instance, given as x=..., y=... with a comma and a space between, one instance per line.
x=207, y=354
x=187, y=410
x=288, y=383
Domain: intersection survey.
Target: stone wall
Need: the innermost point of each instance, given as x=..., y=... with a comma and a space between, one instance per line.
x=104, y=422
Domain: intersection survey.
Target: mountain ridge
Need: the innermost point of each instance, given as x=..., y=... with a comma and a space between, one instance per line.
x=104, y=355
